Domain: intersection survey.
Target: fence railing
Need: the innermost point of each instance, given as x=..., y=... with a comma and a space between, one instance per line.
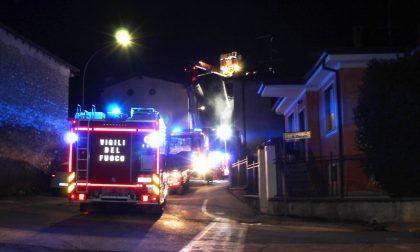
x=321, y=177
x=245, y=174
x=325, y=178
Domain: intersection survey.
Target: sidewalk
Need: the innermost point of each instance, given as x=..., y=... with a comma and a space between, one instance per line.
x=264, y=219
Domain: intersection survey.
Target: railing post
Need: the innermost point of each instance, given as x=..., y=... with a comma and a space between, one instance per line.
x=254, y=174
x=246, y=173
x=238, y=182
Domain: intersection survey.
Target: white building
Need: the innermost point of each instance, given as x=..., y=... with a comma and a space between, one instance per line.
x=169, y=98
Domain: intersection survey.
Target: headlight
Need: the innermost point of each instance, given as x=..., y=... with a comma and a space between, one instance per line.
x=201, y=164
x=175, y=174
x=154, y=140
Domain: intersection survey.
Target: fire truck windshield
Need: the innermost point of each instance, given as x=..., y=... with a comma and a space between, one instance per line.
x=144, y=155
x=184, y=144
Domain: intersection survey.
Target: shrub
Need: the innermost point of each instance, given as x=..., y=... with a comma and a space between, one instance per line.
x=388, y=126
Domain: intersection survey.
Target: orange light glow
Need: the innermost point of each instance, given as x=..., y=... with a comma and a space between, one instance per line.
x=82, y=196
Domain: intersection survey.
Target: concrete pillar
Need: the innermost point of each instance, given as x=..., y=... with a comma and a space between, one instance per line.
x=270, y=171
x=262, y=193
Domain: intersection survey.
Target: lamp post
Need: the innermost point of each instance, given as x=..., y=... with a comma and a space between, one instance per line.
x=224, y=132
x=122, y=38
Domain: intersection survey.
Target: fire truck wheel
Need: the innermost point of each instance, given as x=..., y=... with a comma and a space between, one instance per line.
x=83, y=207
x=156, y=210
x=180, y=190
x=187, y=185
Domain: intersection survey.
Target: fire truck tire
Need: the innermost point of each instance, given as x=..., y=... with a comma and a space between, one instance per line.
x=187, y=185
x=83, y=207
x=156, y=210
x=180, y=190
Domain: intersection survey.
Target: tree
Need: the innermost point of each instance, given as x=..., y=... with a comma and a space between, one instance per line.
x=387, y=117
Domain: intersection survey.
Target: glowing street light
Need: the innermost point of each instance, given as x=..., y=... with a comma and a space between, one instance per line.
x=122, y=38
x=224, y=132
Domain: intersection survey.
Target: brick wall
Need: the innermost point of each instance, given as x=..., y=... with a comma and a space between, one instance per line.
x=351, y=78
x=33, y=101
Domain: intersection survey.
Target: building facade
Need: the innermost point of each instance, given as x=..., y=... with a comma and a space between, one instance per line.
x=34, y=91
x=169, y=98
x=328, y=163
x=252, y=116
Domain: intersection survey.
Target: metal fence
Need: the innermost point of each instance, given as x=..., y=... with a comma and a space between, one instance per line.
x=325, y=178
x=245, y=174
x=321, y=177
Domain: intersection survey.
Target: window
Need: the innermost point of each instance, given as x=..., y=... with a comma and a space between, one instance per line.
x=302, y=126
x=152, y=91
x=330, y=108
x=130, y=92
x=290, y=123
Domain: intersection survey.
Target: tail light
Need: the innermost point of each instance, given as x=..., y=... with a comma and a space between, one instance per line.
x=75, y=196
x=145, y=198
x=82, y=196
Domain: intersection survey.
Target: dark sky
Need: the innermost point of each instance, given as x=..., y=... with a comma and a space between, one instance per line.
x=171, y=34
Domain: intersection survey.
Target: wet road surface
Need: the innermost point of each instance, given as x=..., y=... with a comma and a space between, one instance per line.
x=207, y=218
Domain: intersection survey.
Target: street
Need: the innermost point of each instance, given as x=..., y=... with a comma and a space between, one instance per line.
x=207, y=218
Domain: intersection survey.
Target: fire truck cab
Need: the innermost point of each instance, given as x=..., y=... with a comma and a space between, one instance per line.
x=117, y=158
x=187, y=153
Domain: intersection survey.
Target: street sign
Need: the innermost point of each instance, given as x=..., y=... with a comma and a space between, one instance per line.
x=297, y=135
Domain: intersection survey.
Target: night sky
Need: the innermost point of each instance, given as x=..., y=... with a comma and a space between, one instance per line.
x=170, y=35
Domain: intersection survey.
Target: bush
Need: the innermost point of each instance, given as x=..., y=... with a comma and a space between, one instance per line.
x=388, y=126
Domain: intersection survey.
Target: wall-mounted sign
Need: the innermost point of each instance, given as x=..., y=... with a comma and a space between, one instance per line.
x=297, y=135
x=111, y=150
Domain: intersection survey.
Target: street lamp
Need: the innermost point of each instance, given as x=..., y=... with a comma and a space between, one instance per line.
x=122, y=38
x=224, y=132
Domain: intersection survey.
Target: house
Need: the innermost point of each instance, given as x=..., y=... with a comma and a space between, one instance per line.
x=167, y=97
x=328, y=163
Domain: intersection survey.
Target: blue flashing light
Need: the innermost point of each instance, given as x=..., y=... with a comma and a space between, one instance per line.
x=113, y=108
x=198, y=130
x=70, y=137
x=116, y=110
x=176, y=130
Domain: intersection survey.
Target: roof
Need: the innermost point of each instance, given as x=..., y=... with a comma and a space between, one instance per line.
x=288, y=92
x=110, y=81
x=38, y=47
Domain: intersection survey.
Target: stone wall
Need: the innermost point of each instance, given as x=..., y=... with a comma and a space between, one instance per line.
x=383, y=210
x=33, y=101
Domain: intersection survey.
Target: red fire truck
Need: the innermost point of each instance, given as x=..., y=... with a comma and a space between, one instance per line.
x=116, y=157
x=187, y=154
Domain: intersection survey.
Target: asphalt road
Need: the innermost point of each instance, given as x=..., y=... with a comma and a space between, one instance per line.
x=207, y=218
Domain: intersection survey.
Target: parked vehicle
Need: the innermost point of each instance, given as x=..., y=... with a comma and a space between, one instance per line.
x=58, y=178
